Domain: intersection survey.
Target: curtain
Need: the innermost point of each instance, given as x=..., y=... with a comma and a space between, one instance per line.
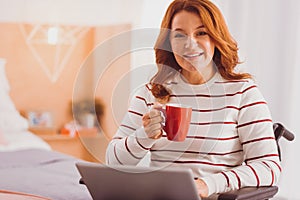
x=268, y=34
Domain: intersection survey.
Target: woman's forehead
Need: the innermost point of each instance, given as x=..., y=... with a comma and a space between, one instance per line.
x=184, y=20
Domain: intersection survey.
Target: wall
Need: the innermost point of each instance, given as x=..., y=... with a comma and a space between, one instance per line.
x=32, y=90
x=268, y=34
x=111, y=74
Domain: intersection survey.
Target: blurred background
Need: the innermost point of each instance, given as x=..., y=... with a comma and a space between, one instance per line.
x=46, y=71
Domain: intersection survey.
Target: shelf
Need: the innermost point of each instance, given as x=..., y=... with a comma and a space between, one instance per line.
x=88, y=144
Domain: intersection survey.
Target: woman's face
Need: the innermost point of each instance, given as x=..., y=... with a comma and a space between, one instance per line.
x=192, y=46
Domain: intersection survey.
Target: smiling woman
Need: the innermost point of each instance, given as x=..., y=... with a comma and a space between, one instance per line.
x=230, y=143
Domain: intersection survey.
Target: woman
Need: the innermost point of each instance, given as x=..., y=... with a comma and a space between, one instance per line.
x=230, y=143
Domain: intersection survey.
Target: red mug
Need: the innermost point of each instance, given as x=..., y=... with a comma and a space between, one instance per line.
x=177, y=121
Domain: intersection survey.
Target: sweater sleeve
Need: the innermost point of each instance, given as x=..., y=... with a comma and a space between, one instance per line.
x=130, y=144
x=261, y=160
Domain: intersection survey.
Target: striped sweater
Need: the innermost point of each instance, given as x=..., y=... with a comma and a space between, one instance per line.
x=230, y=143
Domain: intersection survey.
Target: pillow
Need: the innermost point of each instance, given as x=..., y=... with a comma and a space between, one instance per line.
x=10, y=118
x=3, y=80
x=2, y=139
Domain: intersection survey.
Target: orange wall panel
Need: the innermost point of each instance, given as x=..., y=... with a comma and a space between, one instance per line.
x=32, y=90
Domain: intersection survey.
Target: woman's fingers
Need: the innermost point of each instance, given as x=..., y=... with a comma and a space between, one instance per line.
x=146, y=120
x=152, y=124
x=154, y=128
x=152, y=117
x=154, y=113
x=153, y=131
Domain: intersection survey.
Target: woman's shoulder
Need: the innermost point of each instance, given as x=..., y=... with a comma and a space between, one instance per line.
x=143, y=91
x=237, y=85
x=243, y=81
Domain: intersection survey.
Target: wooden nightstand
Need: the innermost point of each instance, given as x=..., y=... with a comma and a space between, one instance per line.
x=89, y=145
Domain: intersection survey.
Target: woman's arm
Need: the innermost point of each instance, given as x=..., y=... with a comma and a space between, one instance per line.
x=137, y=133
x=255, y=130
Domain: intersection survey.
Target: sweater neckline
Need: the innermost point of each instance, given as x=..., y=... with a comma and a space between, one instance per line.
x=209, y=83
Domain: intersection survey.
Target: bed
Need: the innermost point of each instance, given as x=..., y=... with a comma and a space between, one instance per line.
x=28, y=166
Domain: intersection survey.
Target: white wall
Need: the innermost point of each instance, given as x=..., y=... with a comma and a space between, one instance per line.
x=268, y=33
x=143, y=60
x=78, y=12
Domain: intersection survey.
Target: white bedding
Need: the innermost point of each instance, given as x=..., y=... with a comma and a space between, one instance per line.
x=14, y=134
x=22, y=140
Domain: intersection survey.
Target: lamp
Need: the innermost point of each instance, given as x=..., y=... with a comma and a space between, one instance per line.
x=52, y=35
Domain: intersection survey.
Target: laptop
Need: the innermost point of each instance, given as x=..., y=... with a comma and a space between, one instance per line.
x=137, y=183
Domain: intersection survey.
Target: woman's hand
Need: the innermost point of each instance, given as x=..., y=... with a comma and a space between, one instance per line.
x=152, y=123
x=202, y=188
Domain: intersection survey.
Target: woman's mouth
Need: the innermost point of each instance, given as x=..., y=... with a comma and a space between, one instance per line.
x=192, y=55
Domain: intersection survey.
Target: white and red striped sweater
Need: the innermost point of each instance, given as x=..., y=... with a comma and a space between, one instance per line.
x=230, y=143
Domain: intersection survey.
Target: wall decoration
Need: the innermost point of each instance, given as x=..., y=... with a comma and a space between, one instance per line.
x=52, y=45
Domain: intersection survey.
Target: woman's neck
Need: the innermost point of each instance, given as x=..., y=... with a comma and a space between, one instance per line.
x=197, y=77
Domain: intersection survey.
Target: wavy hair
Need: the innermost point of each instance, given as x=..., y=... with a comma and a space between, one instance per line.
x=226, y=50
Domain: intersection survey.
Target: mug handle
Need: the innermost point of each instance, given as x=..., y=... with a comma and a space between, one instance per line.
x=163, y=112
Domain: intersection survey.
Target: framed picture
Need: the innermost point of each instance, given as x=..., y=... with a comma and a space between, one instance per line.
x=40, y=119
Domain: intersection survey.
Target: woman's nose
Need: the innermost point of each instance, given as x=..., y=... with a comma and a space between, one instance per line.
x=190, y=43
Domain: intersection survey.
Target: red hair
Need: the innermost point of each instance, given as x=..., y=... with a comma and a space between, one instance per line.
x=226, y=50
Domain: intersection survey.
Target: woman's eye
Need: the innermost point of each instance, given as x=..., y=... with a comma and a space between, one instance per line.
x=200, y=33
x=178, y=35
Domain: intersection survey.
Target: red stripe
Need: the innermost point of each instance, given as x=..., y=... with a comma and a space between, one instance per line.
x=117, y=138
x=141, y=144
x=254, y=122
x=273, y=177
x=143, y=99
x=147, y=86
x=277, y=165
x=195, y=162
x=209, y=123
x=264, y=156
x=196, y=152
x=211, y=96
x=127, y=148
x=238, y=178
x=258, y=139
x=136, y=113
x=230, y=107
x=257, y=179
x=128, y=127
x=216, y=109
x=115, y=153
x=248, y=88
x=210, y=138
x=252, y=104
x=227, y=179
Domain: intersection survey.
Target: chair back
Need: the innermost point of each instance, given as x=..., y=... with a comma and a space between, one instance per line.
x=281, y=131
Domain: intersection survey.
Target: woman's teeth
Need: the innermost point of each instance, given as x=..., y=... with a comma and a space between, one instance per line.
x=192, y=55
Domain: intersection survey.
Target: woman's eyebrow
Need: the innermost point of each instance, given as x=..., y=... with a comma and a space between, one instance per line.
x=201, y=26
x=180, y=29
